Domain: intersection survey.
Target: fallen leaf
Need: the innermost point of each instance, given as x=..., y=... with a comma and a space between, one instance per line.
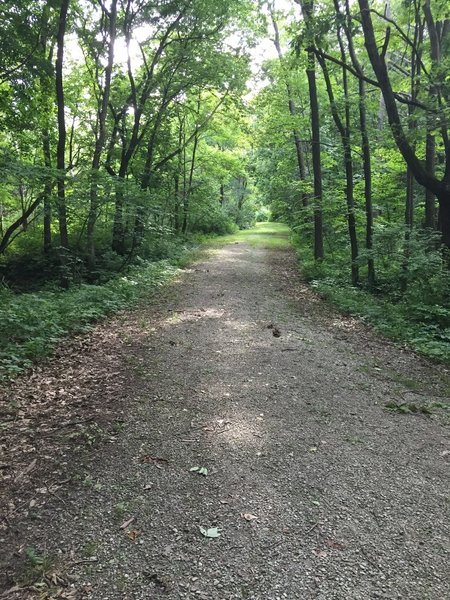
x=211, y=532
x=200, y=470
x=249, y=517
x=125, y=525
x=133, y=534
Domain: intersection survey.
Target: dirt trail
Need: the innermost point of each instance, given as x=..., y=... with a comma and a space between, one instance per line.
x=318, y=490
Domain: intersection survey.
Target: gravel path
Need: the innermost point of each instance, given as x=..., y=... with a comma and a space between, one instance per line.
x=318, y=491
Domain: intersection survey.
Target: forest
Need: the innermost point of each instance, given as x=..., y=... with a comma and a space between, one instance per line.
x=131, y=132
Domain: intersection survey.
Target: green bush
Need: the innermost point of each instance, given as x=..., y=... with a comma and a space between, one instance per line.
x=418, y=315
x=214, y=221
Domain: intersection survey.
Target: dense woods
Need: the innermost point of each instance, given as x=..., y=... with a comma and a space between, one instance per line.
x=127, y=127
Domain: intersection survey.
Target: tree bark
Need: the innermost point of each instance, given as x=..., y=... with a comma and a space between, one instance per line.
x=61, y=148
x=430, y=201
x=344, y=132
x=307, y=7
x=365, y=144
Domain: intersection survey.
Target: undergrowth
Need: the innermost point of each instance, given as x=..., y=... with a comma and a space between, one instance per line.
x=32, y=324
x=418, y=315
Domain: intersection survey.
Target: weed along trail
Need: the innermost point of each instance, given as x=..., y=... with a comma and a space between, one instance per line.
x=233, y=438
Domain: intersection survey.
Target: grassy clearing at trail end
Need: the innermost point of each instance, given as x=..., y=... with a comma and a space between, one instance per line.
x=263, y=235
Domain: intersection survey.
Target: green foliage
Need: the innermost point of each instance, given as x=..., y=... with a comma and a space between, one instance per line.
x=215, y=221
x=420, y=316
x=32, y=324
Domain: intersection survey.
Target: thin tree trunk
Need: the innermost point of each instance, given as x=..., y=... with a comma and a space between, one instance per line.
x=100, y=137
x=367, y=169
x=46, y=84
x=177, y=203
x=48, y=186
x=430, y=201
x=188, y=191
x=307, y=7
x=365, y=144
x=344, y=131
x=60, y=153
x=412, y=126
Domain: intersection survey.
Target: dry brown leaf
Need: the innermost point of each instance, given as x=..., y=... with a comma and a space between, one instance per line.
x=133, y=534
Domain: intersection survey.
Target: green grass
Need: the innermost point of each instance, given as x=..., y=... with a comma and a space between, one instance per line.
x=263, y=235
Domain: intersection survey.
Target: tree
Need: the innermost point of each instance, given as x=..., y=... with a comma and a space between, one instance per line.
x=425, y=177
x=307, y=9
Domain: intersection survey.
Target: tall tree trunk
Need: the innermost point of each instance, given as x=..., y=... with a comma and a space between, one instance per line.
x=307, y=7
x=46, y=85
x=60, y=152
x=430, y=203
x=316, y=158
x=367, y=169
x=344, y=132
x=365, y=144
x=100, y=134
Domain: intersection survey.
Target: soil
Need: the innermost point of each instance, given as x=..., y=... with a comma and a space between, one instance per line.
x=314, y=487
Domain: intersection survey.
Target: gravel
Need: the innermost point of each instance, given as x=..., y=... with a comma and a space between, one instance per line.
x=317, y=489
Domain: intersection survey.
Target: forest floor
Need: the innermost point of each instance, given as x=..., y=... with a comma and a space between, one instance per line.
x=315, y=488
